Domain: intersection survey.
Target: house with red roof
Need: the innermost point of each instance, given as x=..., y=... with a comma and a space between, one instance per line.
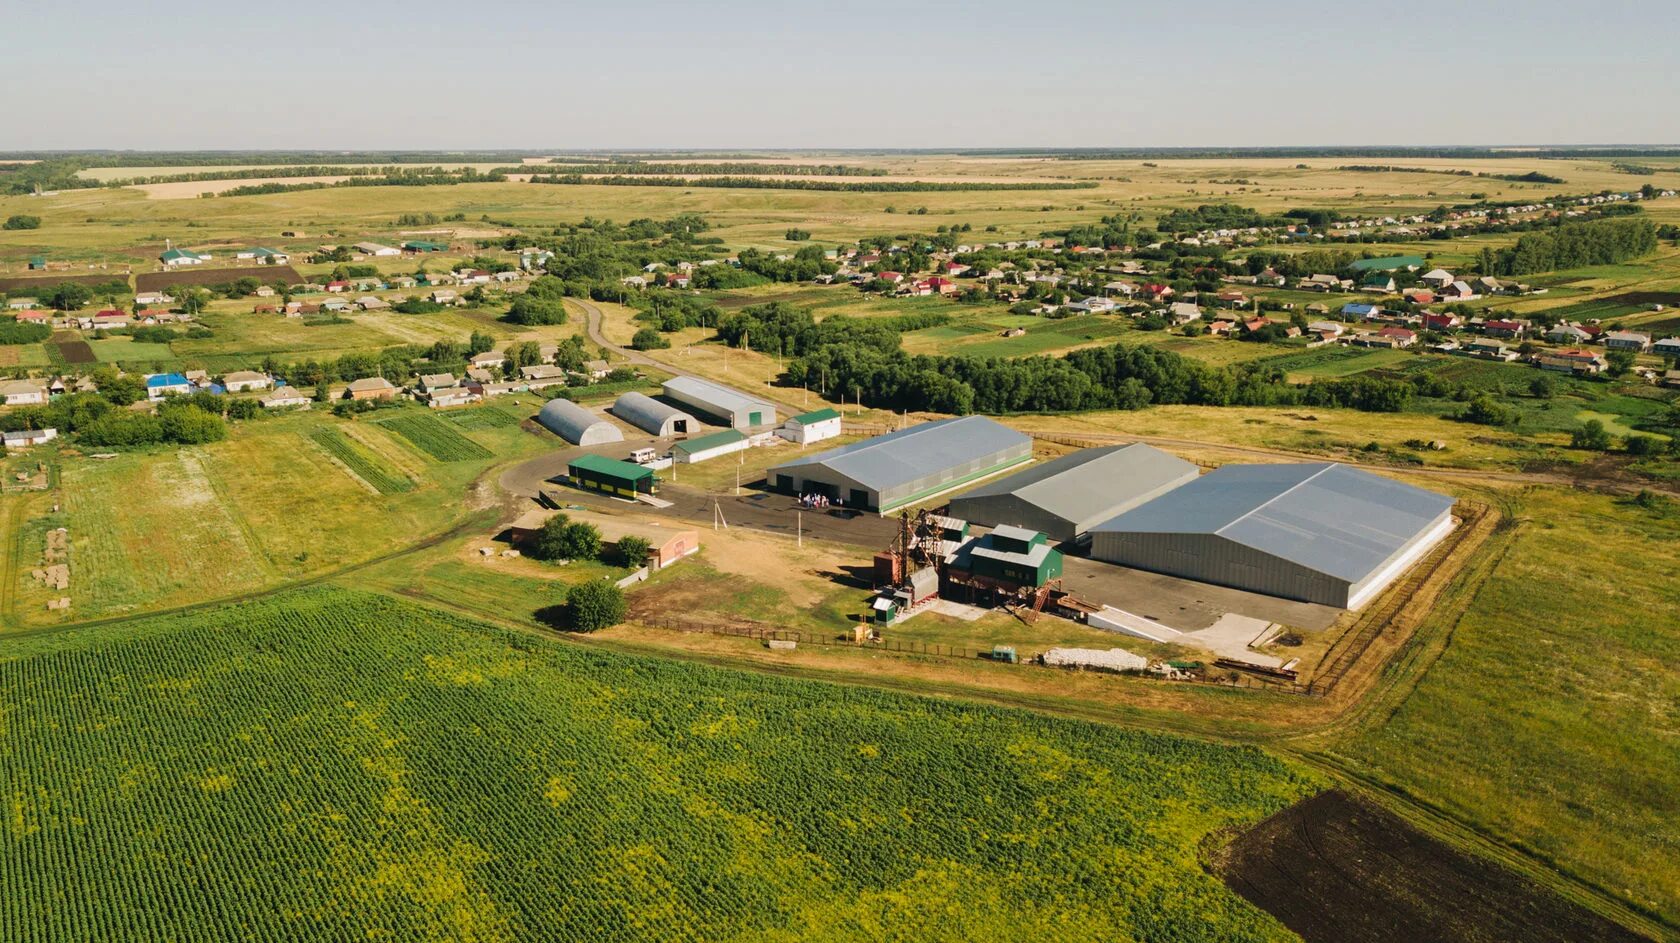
x=1503, y=328
x=1403, y=337
x=1441, y=322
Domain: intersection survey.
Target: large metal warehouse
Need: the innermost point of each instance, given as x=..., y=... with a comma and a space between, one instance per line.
x=651, y=416
x=729, y=407
x=1065, y=497
x=576, y=424
x=887, y=472
x=1319, y=532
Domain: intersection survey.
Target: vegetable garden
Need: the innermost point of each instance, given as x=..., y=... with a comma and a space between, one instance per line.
x=360, y=462
x=333, y=765
x=433, y=436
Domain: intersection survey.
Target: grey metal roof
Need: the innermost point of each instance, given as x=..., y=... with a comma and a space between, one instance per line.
x=1323, y=516
x=1013, y=532
x=1091, y=485
x=573, y=423
x=718, y=397
x=646, y=413
x=911, y=454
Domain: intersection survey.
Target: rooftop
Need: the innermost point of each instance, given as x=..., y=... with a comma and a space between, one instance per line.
x=721, y=397
x=1324, y=516
x=916, y=452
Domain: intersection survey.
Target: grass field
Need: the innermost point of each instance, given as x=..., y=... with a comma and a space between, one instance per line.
x=1550, y=717
x=368, y=768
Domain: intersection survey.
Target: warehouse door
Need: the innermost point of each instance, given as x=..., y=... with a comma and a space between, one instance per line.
x=755, y=419
x=859, y=499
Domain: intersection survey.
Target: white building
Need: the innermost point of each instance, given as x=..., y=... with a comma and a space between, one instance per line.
x=810, y=427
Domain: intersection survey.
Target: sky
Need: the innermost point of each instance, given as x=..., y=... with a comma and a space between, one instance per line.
x=742, y=74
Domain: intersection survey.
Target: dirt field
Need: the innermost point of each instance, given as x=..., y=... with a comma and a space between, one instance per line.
x=73, y=349
x=160, y=281
x=192, y=189
x=23, y=286
x=1336, y=868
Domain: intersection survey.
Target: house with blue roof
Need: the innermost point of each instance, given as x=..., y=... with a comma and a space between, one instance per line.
x=1359, y=310
x=159, y=385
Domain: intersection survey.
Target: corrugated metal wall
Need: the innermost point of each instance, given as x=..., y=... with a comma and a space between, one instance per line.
x=1212, y=559
x=946, y=476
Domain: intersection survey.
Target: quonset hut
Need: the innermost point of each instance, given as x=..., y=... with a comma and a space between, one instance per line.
x=1319, y=532
x=576, y=424
x=1065, y=497
x=887, y=472
x=651, y=416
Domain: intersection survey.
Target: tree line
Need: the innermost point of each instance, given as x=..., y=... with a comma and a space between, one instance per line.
x=1573, y=245
x=761, y=183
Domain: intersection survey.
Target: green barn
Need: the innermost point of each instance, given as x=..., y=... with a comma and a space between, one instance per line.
x=611, y=476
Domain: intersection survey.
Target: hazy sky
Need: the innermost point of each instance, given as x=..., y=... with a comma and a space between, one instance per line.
x=517, y=74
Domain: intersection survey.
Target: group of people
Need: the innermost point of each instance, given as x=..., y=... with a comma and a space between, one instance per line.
x=817, y=502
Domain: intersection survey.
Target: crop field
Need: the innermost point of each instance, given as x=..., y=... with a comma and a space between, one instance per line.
x=25, y=287
x=361, y=462
x=482, y=417
x=435, y=437
x=199, y=275
x=333, y=765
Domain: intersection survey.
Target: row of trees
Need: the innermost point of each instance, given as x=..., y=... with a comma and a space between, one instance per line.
x=1572, y=245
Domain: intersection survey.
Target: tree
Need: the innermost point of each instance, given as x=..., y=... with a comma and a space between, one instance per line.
x=530, y=310
x=593, y=606
x=190, y=425
x=191, y=299
x=68, y=296
x=634, y=551
x=1642, y=445
x=1542, y=387
x=21, y=221
x=1590, y=435
x=649, y=339
x=480, y=343
x=560, y=538
x=1620, y=361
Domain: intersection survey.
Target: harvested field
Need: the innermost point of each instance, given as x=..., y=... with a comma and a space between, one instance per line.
x=76, y=351
x=1336, y=868
x=39, y=283
x=267, y=274
x=192, y=189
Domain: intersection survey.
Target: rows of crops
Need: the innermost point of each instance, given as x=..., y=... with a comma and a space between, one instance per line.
x=332, y=765
x=482, y=417
x=434, y=437
x=361, y=463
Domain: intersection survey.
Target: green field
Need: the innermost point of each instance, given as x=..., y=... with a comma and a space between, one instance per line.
x=369, y=769
x=435, y=437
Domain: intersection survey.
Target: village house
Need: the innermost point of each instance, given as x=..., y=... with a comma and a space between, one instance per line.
x=175, y=258
x=538, y=376
x=282, y=397
x=22, y=393
x=159, y=385
x=1572, y=360
x=371, y=388
x=1505, y=328
x=241, y=381
x=375, y=249
x=1437, y=278
x=1668, y=347
x=1489, y=350
x=1402, y=337
x=1627, y=340
x=1566, y=333
x=1434, y=321
x=432, y=382
x=1181, y=312
x=488, y=359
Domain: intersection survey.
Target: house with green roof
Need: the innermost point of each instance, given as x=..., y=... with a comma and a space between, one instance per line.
x=176, y=257
x=422, y=245
x=810, y=427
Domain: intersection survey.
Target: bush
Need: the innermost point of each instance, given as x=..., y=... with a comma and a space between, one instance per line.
x=1485, y=410
x=593, y=606
x=1642, y=445
x=189, y=425
x=21, y=221
x=417, y=306
x=1590, y=435
x=123, y=429
x=12, y=332
x=634, y=551
x=648, y=339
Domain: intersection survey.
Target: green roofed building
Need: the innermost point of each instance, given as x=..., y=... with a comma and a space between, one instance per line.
x=611, y=476
x=1390, y=263
x=701, y=448
x=422, y=245
x=37, y=263
x=1013, y=557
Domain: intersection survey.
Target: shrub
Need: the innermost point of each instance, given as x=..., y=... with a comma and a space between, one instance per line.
x=1590, y=435
x=21, y=221
x=190, y=425
x=648, y=339
x=634, y=551
x=561, y=538
x=593, y=606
